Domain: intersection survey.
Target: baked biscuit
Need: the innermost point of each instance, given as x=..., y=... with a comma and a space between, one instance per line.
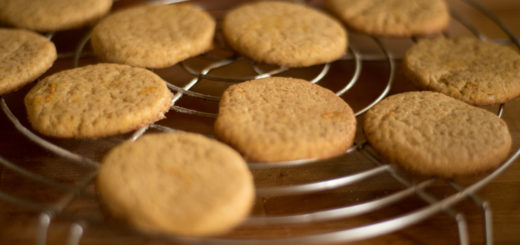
x=400, y=18
x=24, y=56
x=468, y=69
x=178, y=183
x=154, y=36
x=433, y=134
x=284, y=34
x=96, y=101
x=281, y=119
x=52, y=15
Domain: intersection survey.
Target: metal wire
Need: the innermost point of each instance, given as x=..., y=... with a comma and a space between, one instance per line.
x=293, y=163
x=79, y=49
x=347, y=235
x=75, y=233
x=457, y=216
x=371, y=230
x=496, y=20
x=488, y=219
x=44, y=222
x=391, y=67
x=357, y=72
x=339, y=213
x=8, y=164
x=194, y=72
x=321, y=185
x=42, y=142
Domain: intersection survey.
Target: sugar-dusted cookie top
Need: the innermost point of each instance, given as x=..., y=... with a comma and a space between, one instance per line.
x=281, y=119
x=179, y=183
x=400, y=18
x=433, y=134
x=154, y=36
x=468, y=69
x=52, y=15
x=24, y=56
x=96, y=101
x=285, y=34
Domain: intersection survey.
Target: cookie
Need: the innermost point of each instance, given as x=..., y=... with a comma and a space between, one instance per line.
x=52, y=15
x=24, y=56
x=399, y=18
x=433, y=134
x=96, y=101
x=466, y=68
x=153, y=36
x=281, y=119
x=179, y=183
x=284, y=34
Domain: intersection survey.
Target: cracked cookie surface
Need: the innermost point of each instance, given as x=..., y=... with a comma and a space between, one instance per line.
x=468, y=69
x=153, y=36
x=433, y=134
x=24, y=56
x=400, y=18
x=96, y=101
x=52, y=15
x=284, y=34
x=280, y=119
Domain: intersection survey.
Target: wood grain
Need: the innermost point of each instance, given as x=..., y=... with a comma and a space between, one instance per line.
x=20, y=225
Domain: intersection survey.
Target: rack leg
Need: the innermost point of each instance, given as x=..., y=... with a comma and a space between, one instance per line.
x=44, y=222
x=75, y=234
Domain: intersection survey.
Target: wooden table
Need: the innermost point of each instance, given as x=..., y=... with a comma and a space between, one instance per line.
x=23, y=225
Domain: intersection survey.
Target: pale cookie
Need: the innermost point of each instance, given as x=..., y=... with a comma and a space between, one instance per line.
x=401, y=18
x=468, y=69
x=281, y=119
x=433, y=134
x=154, y=36
x=24, y=56
x=52, y=15
x=284, y=34
x=178, y=183
x=96, y=101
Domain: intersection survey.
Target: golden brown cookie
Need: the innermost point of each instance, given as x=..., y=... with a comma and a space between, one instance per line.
x=433, y=134
x=400, y=18
x=154, y=36
x=52, y=15
x=468, y=69
x=281, y=119
x=178, y=183
x=24, y=56
x=96, y=101
x=285, y=34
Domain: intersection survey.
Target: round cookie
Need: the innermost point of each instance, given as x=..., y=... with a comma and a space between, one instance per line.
x=400, y=18
x=281, y=119
x=468, y=69
x=154, y=36
x=24, y=56
x=178, y=183
x=96, y=101
x=52, y=15
x=284, y=34
x=433, y=134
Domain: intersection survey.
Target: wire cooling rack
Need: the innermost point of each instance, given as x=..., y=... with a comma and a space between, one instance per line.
x=70, y=196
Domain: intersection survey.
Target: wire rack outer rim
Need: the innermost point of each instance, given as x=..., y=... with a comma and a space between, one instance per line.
x=348, y=235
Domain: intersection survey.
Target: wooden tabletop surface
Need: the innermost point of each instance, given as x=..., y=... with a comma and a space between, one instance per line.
x=23, y=222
